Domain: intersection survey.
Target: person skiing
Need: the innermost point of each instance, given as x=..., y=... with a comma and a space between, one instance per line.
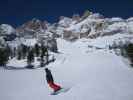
x=50, y=81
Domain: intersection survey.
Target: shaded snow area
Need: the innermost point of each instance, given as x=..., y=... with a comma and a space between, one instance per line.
x=94, y=75
x=22, y=63
x=28, y=42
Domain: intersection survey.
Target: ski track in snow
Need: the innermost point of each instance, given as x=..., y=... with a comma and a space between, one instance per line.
x=97, y=75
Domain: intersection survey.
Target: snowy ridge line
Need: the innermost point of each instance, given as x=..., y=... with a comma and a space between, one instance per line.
x=94, y=24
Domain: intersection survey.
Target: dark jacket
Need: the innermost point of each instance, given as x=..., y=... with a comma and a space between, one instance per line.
x=49, y=76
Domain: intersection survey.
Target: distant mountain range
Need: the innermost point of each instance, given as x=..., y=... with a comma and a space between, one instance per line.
x=89, y=25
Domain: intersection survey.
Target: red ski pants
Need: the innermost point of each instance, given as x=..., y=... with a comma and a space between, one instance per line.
x=54, y=86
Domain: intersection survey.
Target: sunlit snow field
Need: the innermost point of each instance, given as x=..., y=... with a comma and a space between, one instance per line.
x=91, y=74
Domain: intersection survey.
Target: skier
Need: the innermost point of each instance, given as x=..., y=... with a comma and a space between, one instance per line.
x=50, y=81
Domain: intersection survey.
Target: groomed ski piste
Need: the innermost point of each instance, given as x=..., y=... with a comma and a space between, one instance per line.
x=89, y=73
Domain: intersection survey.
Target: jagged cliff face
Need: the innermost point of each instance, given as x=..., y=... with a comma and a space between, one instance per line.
x=32, y=27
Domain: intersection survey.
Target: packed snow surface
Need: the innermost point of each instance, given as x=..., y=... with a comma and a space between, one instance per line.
x=91, y=75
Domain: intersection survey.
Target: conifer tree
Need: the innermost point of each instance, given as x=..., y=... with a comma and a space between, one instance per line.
x=8, y=51
x=129, y=52
x=24, y=51
x=43, y=54
x=4, y=57
x=47, y=57
x=37, y=50
x=14, y=52
x=19, y=54
x=30, y=57
x=43, y=50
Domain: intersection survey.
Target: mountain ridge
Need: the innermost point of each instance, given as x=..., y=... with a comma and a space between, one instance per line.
x=89, y=25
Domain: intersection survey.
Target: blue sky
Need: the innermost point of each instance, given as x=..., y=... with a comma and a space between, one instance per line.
x=16, y=12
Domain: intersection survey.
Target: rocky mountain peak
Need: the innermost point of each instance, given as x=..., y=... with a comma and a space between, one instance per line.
x=33, y=25
x=6, y=29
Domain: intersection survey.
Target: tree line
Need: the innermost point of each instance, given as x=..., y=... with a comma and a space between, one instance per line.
x=25, y=52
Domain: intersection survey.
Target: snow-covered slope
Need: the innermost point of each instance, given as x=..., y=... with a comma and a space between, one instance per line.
x=87, y=66
x=93, y=75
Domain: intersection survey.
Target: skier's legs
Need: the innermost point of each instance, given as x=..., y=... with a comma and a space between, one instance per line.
x=54, y=86
x=57, y=87
x=51, y=85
